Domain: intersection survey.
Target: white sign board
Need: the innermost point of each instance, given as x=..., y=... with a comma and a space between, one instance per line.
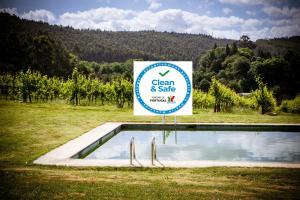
x=163, y=88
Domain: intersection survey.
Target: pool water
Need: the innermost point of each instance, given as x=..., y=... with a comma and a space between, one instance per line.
x=204, y=145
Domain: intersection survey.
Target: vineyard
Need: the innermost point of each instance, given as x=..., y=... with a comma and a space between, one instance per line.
x=32, y=86
x=78, y=90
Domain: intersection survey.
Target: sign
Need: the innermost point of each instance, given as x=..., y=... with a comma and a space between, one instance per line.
x=163, y=88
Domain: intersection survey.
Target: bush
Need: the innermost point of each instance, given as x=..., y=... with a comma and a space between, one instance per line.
x=202, y=99
x=249, y=102
x=264, y=97
x=291, y=106
x=225, y=98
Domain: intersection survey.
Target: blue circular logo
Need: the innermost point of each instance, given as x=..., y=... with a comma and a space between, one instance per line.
x=165, y=64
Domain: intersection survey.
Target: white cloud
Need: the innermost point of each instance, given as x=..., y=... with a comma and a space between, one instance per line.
x=100, y=18
x=226, y=11
x=12, y=11
x=154, y=5
x=114, y=19
x=36, y=15
x=39, y=15
x=285, y=31
x=178, y=21
x=246, y=2
x=99, y=14
x=166, y=20
x=251, y=24
x=281, y=12
x=280, y=22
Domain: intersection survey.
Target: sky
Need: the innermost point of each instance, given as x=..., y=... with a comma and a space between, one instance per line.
x=220, y=18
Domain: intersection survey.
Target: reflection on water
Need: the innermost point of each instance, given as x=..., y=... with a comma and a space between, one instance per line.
x=205, y=145
x=166, y=134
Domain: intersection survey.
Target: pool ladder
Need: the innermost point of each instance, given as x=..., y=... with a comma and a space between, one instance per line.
x=153, y=151
x=132, y=151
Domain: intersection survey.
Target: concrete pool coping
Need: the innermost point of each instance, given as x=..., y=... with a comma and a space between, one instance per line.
x=64, y=154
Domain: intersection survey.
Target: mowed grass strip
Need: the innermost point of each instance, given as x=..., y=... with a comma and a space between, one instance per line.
x=124, y=183
x=30, y=130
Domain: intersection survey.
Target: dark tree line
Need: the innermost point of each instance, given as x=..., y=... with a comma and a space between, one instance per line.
x=238, y=68
x=41, y=53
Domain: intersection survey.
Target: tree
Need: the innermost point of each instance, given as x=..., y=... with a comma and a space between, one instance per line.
x=204, y=85
x=225, y=98
x=75, y=86
x=241, y=67
x=28, y=84
x=245, y=42
x=234, y=49
x=276, y=73
x=215, y=46
x=227, y=50
x=122, y=92
x=263, y=54
x=246, y=52
x=264, y=97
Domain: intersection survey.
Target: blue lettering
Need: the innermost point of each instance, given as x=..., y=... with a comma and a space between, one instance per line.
x=166, y=89
x=154, y=82
x=159, y=82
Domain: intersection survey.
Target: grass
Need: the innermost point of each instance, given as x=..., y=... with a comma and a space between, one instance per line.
x=30, y=130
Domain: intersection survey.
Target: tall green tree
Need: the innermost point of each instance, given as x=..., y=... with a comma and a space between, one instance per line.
x=245, y=42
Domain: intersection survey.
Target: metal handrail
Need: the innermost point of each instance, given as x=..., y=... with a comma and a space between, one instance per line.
x=132, y=150
x=153, y=151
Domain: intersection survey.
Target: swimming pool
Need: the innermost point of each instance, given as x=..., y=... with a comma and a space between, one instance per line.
x=181, y=145
x=204, y=145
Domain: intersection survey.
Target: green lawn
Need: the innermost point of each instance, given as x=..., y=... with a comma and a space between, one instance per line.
x=30, y=130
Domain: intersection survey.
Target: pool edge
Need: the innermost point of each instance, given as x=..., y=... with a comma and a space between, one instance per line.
x=63, y=155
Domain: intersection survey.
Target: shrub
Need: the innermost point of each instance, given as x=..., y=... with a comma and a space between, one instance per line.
x=264, y=97
x=291, y=106
x=225, y=98
x=202, y=99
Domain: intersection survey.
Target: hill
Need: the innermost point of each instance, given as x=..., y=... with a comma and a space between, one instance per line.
x=107, y=46
x=279, y=46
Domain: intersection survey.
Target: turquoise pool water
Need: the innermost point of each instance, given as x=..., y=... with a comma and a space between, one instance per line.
x=204, y=145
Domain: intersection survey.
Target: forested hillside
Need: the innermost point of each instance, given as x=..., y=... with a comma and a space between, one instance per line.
x=107, y=46
x=279, y=46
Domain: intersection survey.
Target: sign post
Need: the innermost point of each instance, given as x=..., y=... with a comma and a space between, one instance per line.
x=163, y=88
